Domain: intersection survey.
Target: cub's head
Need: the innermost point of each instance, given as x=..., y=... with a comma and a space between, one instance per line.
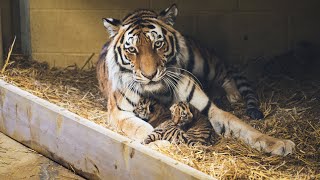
x=144, y=49
x=181, y=114
x=145, y=108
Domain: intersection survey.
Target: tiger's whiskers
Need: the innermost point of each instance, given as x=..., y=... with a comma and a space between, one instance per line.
x=188, y=72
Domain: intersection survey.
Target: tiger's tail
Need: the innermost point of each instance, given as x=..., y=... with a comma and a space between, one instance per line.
x=248, y=94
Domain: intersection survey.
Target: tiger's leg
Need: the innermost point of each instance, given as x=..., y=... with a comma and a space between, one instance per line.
x=227, y=124
x=238, y=87
x=231, y=90
x=123, y=119
x=157, y=134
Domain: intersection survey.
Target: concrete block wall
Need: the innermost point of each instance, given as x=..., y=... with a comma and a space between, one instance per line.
x=64, y=33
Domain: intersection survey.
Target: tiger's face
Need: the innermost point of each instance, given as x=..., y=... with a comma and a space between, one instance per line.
x=181, y=114
x=144, y=50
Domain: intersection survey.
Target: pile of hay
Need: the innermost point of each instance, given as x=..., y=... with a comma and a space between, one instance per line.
x=69, y=88
x=292, y=109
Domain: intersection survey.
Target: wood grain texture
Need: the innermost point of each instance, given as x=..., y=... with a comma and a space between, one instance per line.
x=91, y=150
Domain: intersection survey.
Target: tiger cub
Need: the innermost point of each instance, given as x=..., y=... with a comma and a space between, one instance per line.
x=151, y=111
x=182, y=123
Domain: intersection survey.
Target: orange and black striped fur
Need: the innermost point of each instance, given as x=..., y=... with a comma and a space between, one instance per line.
x=183, y=123
x=147, y=57
x=151, y=111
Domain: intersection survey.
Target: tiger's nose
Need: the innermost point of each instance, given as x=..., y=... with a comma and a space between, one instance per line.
x=149, y=76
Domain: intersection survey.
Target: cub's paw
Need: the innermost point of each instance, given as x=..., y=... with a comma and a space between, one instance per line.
x=254, y=113
x=274, y=146
x=147, y=140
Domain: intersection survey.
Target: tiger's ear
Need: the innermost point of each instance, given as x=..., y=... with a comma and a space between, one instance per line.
x=112, y=25
x=169, y=15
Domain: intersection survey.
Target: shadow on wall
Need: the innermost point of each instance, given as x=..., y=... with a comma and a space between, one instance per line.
x=300, y=63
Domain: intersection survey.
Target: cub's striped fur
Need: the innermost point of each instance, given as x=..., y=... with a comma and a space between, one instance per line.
x=151, y=111
x=147, y=57
x=184, y=124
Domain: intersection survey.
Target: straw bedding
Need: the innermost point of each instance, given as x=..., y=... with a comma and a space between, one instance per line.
x=291, y=107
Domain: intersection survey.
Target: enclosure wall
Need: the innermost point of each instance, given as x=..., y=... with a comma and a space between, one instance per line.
x=5, y=25
x=68, y=32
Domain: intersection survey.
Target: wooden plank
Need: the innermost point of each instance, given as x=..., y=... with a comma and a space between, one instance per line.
x=91, y=150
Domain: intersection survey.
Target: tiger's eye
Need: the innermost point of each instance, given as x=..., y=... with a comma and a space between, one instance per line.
x=132, y=50
x=158, y=44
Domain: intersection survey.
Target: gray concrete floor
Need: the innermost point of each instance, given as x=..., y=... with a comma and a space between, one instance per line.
x=19, y=162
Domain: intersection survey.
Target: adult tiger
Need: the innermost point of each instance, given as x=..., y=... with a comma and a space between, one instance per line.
x=147, y=57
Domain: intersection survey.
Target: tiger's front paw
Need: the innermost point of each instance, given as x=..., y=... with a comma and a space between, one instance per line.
x=274, y=146
x=233, y=97
x=285, y=148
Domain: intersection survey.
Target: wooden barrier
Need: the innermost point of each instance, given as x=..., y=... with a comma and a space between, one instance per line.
x=79, y=144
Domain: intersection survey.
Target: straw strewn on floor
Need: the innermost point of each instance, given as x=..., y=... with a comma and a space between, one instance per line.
x=292, y=110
